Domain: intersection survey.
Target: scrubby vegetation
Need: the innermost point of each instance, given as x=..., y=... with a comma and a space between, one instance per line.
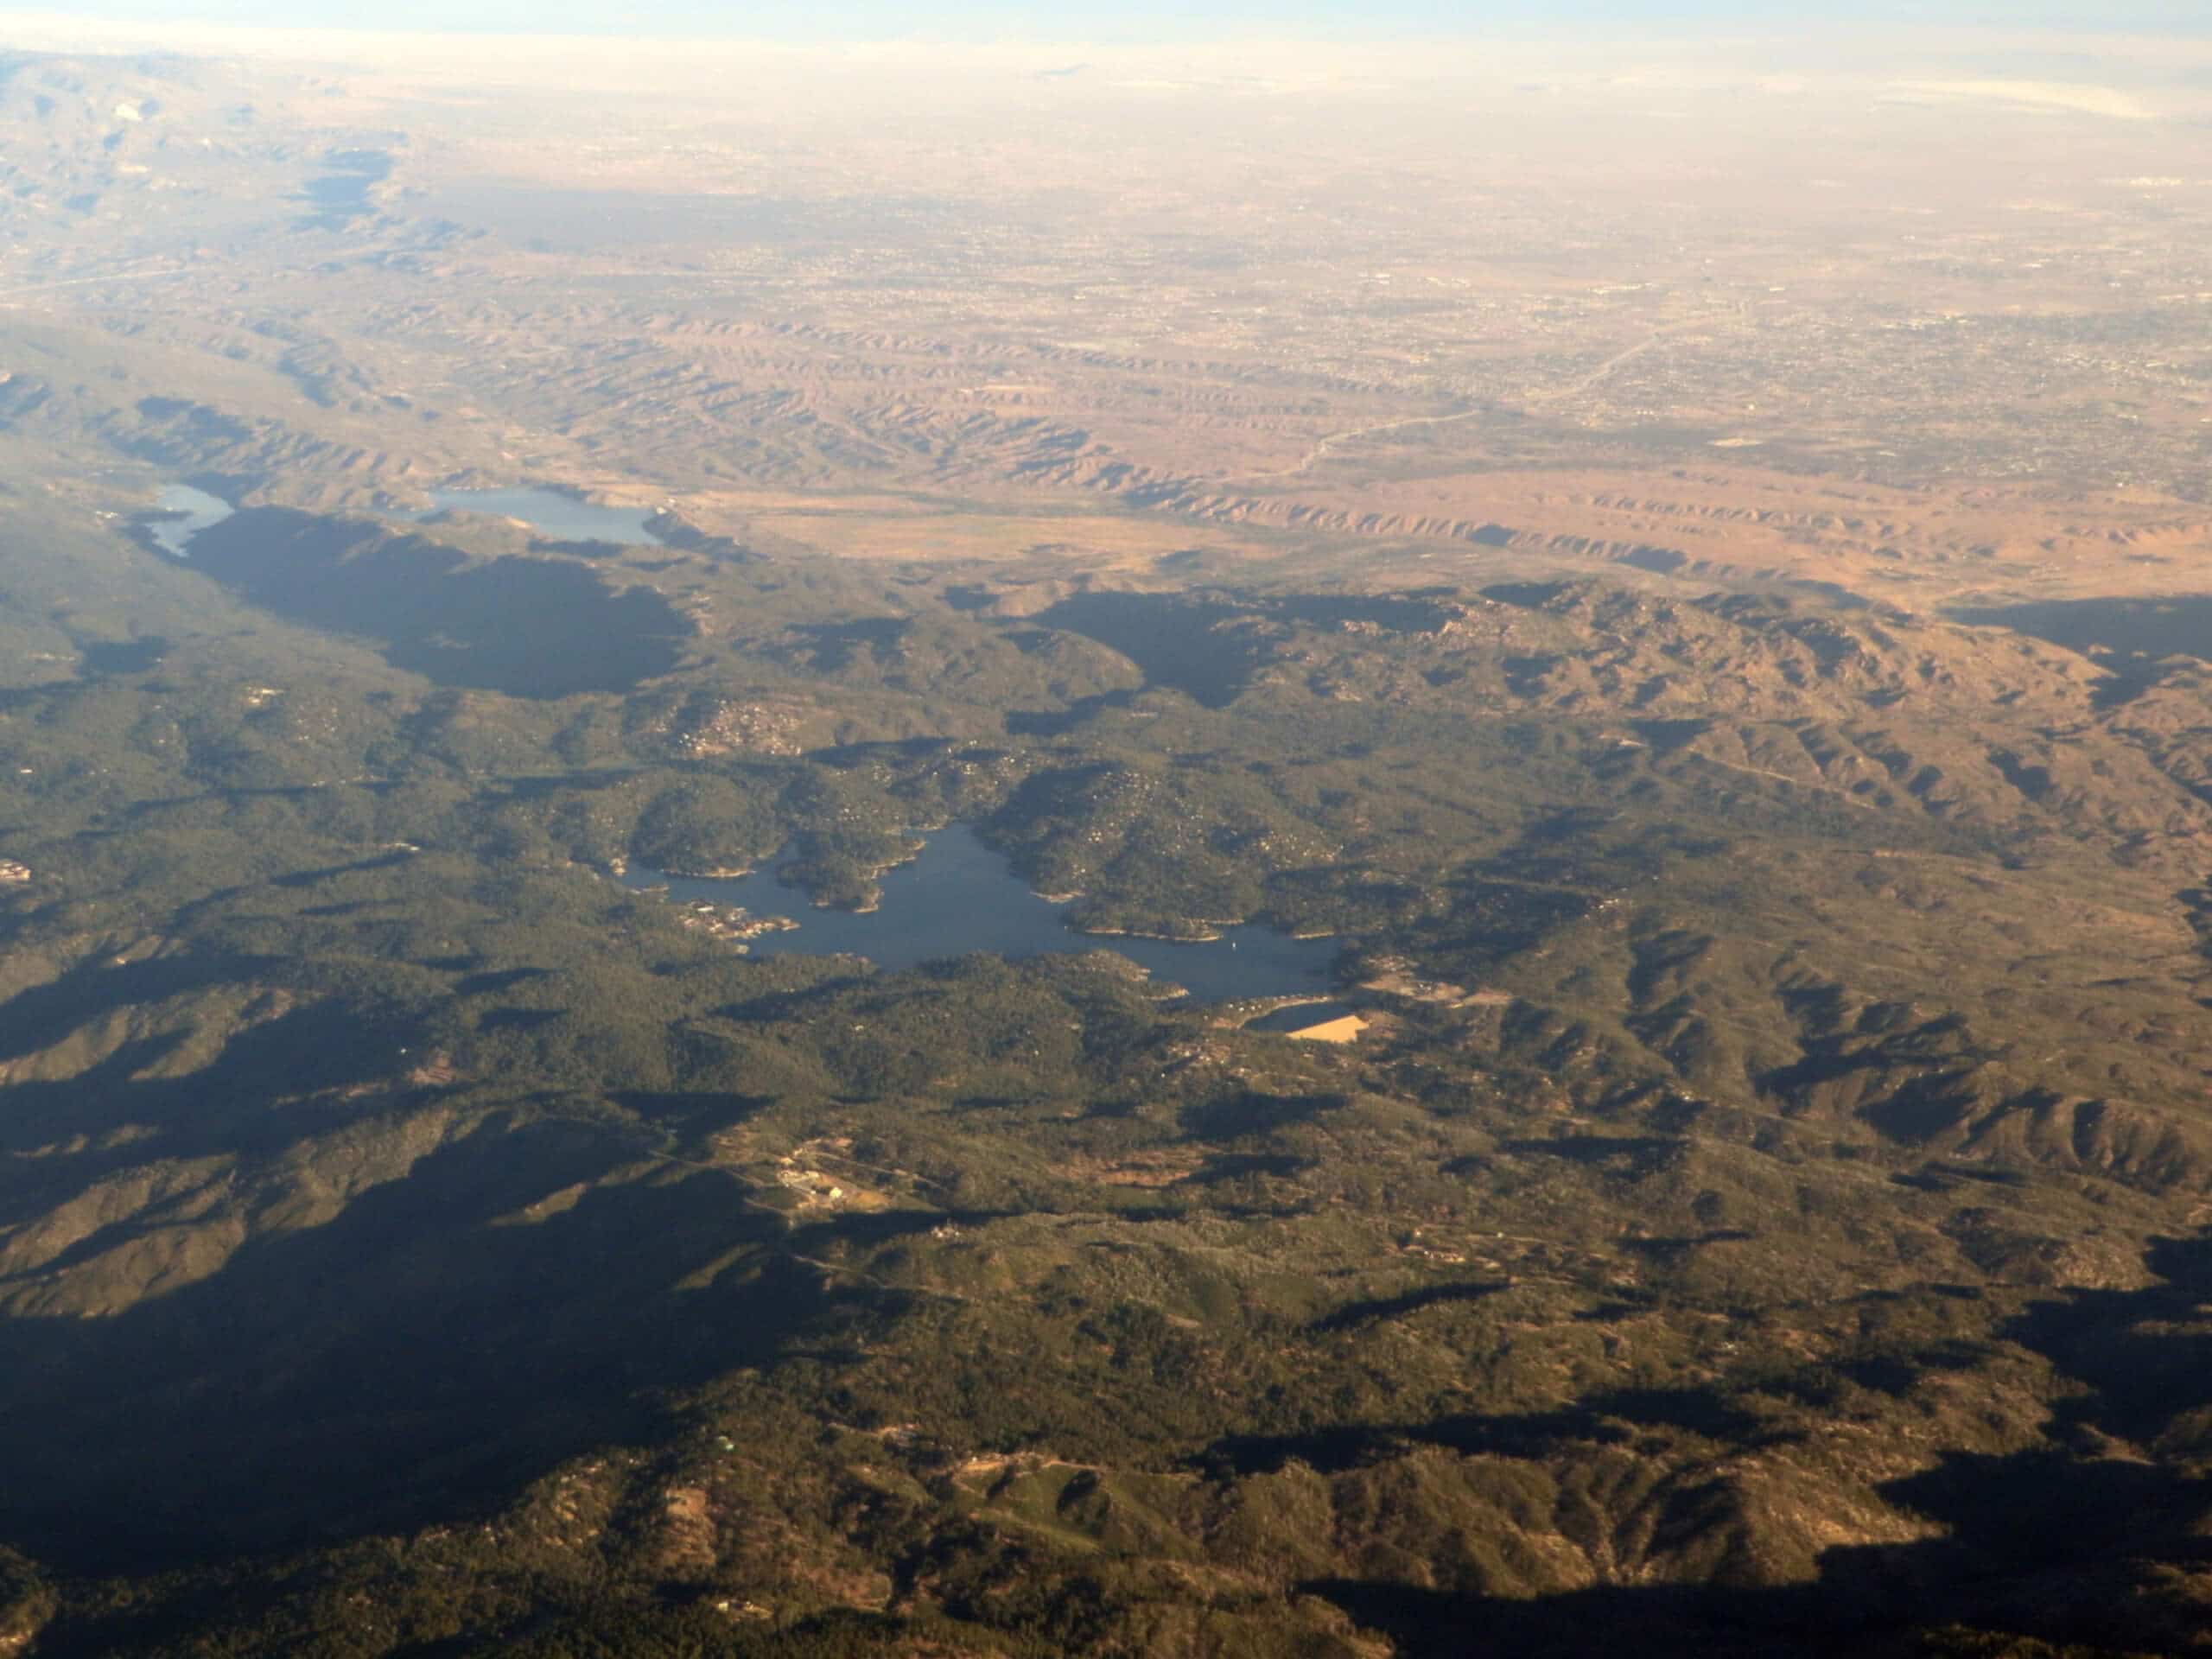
x=1762, y=1216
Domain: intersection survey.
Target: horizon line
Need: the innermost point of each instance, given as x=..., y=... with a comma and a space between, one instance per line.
x=1727, y=25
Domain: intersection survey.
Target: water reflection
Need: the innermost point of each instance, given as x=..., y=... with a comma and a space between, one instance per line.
x=186, y=512
x=552, y=514
x=958, y=897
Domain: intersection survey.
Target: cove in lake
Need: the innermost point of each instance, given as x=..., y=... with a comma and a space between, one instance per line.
x=186, y=512
x=558, y=517
x=959, y=897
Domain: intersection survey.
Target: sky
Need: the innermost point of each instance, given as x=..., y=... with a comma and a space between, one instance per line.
x=1134, y=21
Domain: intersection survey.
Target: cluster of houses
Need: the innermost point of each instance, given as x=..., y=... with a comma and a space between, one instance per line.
x=733, y=921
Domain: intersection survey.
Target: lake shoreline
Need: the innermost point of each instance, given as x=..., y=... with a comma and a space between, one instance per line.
x=955, y=895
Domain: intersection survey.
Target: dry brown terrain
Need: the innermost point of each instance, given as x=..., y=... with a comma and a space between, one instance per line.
x=1415, y=317
x=1682, y=569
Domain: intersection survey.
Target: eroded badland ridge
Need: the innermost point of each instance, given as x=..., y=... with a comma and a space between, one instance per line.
x=1709, y=617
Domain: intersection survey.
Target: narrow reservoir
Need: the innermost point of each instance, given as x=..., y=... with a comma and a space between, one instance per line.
x=552, y=514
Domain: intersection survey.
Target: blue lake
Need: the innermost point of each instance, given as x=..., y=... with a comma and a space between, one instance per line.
x=556, y=517
x=958, y=897
x=340, y=196
x=198, y=510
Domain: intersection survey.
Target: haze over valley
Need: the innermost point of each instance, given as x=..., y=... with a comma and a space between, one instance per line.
x=1329, y=843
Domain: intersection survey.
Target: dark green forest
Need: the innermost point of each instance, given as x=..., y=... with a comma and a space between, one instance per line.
x=1737, y=1232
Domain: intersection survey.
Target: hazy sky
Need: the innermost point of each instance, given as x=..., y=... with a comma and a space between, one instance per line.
x=1131, y=20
